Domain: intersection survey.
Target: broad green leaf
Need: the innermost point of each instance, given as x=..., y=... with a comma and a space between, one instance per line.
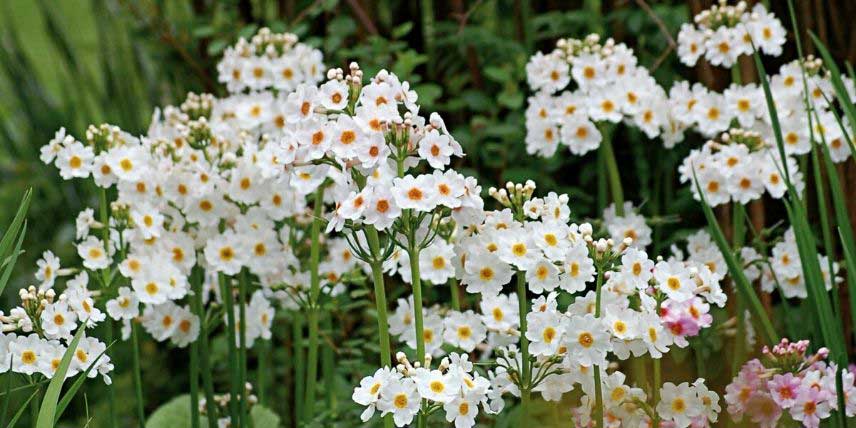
x=176, y=414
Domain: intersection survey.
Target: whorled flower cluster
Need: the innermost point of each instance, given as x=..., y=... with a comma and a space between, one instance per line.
x=269, y=61
x=647, y=307
x=725, y=32
x=744, y=106
x=741, y=166
x=36, y=335
x=454, y=386
x=584, y=84
x=788, y=385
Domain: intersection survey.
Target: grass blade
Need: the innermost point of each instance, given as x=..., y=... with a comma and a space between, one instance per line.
x=72, y=390
x=15, y=226
x=9, y=263
x=14, y=421
x=744, y=287
x=48, y=410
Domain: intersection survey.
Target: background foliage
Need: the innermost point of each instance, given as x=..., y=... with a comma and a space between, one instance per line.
x=74, y=62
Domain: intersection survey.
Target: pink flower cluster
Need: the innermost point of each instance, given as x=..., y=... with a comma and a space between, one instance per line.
x=790, y=384
x=685, y=319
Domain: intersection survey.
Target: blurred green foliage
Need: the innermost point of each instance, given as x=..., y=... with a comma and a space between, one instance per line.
x=74, y=62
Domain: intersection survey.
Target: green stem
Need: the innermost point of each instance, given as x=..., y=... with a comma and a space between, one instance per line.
x=656, y=389
x=111, y=399
x=380, y=303
x=314, y=294
x=242, y=350
x=229, y=304
x=738, y=239
x=526, y=376
x=104, y=215
x=416, y=282
x=263, y=371
x=299, y=367
x=194, y=384
x=204, y=356
x=138, y=381
x=598, y=387
x=456, y=295
x=328, y=367
x=380, y=296
x=612, y=171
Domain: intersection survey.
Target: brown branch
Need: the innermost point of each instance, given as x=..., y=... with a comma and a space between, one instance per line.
x=663, y=29
x=303, y=13
x=471, y=55
x=362, y=16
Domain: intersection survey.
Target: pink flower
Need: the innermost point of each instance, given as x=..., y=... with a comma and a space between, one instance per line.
x=739, y=391
x=810, y=407
x=784, y=389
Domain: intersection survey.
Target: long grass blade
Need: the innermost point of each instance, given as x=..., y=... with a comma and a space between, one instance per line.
x=744, y=287
x=14, y=421
x=48, y=410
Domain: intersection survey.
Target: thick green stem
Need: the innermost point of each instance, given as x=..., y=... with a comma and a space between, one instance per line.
x=327, y=365
x=456, y=295
x=416, y=282
x=111, y=399
x=299, y=367
x=612, y=171
x=104, y=218
x=194, y=384
x=138, y=379
x=228, y=301
x=203, y=346
x=380, y=303
x=314, y=294
x=242, y=349
x=656, y=389
x=380, y=297
x=738, y=239
x=526, y=375
x=598, y=387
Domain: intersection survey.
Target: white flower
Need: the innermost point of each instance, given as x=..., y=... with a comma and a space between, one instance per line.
x=416, y=193
x=674, y=280
x=400, y=398
x=435, y=262
x=463, y=330
x=26, y=353
x=436, y=386
x=679, y=404
x=48, y=269
x=92, y=251
x=125, y=306
x=587, y=340
x=545, y=332
x=58, y=321
x=368, y=392
x=74, y=160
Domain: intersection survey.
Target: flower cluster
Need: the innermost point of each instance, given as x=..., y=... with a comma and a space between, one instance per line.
x=583, y=84
x=542, y=249
x=788, y=384
x=782, y=269
x=36, y=334
x=454, y=386
x=740, y=166
x=724, y=32
x=269, y=61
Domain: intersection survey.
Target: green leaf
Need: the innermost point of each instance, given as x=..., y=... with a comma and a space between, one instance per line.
x=744, y=287
x=402, y=30
x=13, y=422
x=9, y=264
x=47, y=412
x=72, y=390
x=176, y=414
x=15, y=226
